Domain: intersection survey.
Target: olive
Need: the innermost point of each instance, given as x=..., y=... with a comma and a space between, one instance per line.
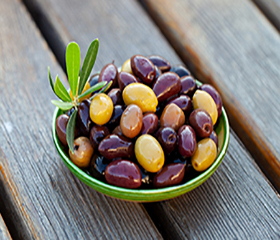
x=202, y=99
x=115, y=146
x=93, y=79
x=150, y=123
x=83, y=152
x=116, y=116
x=184, y=102
x=149, y=153
x=158, y=72
x=83, y=119
x=143, y=68
x=187, y=141
x=116, y=95
x=201, y=122
x=215, y=95
x=101, y=109
x=125, y=78
x=172, y=116
x=214, y=137
x=123, y=173
x=98, y=165
x=161, y=63
x=70, y=111
x=131, y=121
x=97, y=133
x=188, y=85
x=167, y=137
x=180, y=70
x=117, y=130
x=109, y=73
x=167, y=85
x=126, y=67
x=61, y=125
x=205, y=154
x=170, y=175
x=141, y=95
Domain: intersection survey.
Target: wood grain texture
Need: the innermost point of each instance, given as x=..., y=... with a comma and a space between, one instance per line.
x=4, y=232
x=232, y=46
x=115, y=23
x=271, y=8
x=237, y=198
x=40, y=198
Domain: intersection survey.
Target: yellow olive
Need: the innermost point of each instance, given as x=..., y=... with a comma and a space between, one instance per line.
x=202, y=99
x=149, y=153
x=204, y=155
x=126, y=67
x=141, y=95
x=86, y=87
x=83, y=152
x=101, y=109
x=172, y=116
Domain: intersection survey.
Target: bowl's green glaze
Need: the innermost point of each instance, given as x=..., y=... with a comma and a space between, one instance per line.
x=150, y=195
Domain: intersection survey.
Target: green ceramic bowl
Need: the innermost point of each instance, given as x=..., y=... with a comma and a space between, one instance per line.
x=150, y=195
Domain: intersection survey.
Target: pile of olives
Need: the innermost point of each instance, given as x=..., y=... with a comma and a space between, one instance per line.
x=153, y=128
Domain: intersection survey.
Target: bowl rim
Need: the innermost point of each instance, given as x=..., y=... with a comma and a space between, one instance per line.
x=143, y=195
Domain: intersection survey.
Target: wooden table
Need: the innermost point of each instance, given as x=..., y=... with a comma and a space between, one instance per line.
x=230, y=44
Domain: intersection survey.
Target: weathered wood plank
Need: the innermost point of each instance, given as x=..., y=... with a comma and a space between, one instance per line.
x=228, y=202
x=4, y=232
x=234, y=47
x=271, y=8
x=40, y=198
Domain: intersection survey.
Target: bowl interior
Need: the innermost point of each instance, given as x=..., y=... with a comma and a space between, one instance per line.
x=147, y=195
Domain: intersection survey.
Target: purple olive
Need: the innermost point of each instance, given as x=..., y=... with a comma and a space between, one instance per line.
x=61, y=125
x=201, y=122
x=143, y=68
x=150, y=123
x=83, y=119
x=187, y=141
x=98, y=165
x=184, y=102
x=116, y=95
x=188, y=85
x=109, y=73
x=123, y=173
x=118, y=131
x=116, y=116
x=158, y=72
x=97, y=133
x=180, y=70
x=177, y=158
x=214, y=137
x=125, y=78
x=70, y=111
x=167, y=138
x=170, y=175
x=161, y=63
x=215, y=95
x=93, y=79
x=115, y=146
x=167, y=85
